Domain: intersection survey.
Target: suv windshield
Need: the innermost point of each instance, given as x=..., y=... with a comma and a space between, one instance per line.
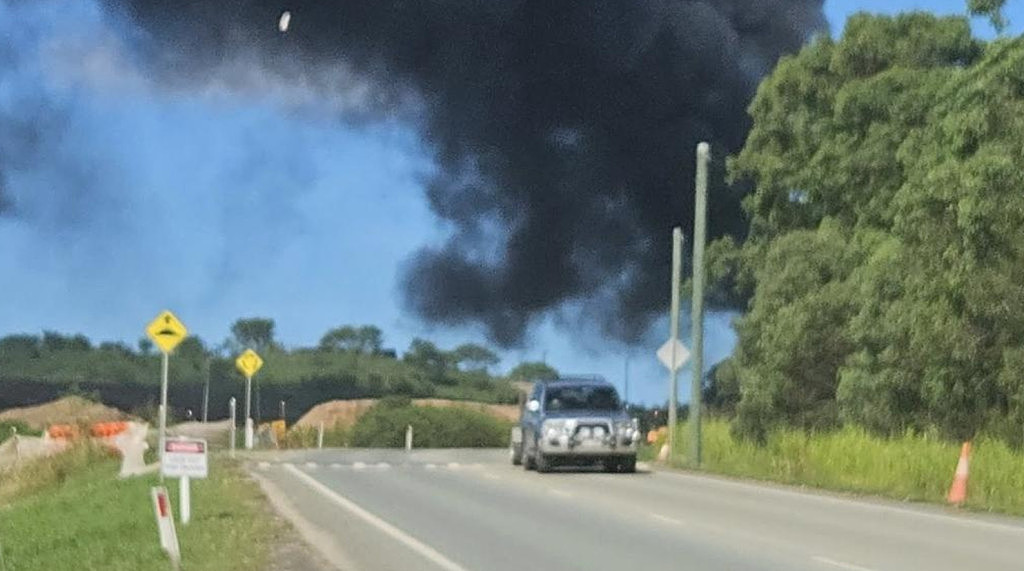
x=581, y=398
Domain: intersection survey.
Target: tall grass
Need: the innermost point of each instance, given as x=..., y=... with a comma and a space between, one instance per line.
x=912, y=467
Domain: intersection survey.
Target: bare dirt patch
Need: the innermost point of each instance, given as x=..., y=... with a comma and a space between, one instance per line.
x=68, y=410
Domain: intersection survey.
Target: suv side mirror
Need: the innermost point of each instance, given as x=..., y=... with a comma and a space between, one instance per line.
x=533, y=405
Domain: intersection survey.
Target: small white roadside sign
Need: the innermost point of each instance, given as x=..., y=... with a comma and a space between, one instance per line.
x=185, y=458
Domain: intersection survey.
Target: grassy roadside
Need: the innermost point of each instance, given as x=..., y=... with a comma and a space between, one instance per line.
x=88, y=519
x=909, y=468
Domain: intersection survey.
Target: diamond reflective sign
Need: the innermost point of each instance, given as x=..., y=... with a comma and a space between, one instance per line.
x=682, y=355
x=248, y=363
x=166, y=331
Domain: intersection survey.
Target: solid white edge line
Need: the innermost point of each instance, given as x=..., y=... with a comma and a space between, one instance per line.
x=840, y=564
x=769, y=487
x=416, y=545
x=319, y=540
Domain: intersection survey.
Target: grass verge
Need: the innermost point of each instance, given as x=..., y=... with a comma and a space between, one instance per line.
x=910, y=467
x=88, y=519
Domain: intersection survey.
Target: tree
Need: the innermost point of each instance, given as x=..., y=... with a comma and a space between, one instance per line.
x=426, y=357
x=474, y=357
x=533, y=371
x=366, y=340
x=145, y=345
x=256, y=333
x=14, y=347
x=884, y=268
x=993, y=9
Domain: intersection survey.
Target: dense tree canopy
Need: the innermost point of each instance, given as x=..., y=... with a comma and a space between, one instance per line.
x=884, y=269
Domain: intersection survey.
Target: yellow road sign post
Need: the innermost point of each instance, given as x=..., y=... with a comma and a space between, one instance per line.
x=167, y=332
x=248, y=363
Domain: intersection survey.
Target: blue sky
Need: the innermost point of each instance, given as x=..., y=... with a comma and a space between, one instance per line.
x=216, y=240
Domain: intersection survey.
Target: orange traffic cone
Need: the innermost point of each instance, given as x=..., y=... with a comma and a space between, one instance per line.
x=958, y=491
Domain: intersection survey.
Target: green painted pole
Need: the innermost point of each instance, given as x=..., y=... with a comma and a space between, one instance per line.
x=697, y=317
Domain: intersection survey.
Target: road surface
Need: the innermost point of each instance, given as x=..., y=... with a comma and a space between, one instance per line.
x=471, y=510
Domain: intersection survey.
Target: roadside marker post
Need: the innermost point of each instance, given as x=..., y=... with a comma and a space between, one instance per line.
x=165, y=524
x=167, y=332
x=248, y=363
x=408, y=438
x=320, y=436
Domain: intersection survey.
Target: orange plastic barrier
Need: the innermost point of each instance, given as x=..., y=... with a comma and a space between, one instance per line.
x=108, y=429
x=62, y=431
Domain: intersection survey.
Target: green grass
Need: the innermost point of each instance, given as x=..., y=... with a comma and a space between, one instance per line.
x=92, y=520
x=910, y=467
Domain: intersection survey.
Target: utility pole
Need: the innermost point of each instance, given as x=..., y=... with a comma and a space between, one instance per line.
x=206, y=391
x=697, y=318
x=673, y=395
x=625, y=390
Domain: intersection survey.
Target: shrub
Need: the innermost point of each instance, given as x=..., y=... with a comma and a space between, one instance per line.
x=384, y=426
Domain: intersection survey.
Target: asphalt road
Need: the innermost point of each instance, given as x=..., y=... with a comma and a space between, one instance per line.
x=471, y=510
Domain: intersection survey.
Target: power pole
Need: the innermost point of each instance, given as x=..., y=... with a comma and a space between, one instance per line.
x=673, y=395
x=206, y=391
x=625, y=390
x=697, y=319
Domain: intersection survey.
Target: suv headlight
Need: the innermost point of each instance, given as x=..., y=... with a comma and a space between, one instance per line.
x=556, y=428
x=626, y=427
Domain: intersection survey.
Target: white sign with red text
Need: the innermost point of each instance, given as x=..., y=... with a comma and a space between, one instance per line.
x=184, y=458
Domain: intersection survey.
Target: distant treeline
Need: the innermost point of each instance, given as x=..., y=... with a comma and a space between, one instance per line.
x=349, y=362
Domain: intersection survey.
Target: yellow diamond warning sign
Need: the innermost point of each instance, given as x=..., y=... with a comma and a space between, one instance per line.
x=166, y=331
x=248, y=363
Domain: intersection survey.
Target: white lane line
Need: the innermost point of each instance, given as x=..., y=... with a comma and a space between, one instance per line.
x=667, y=519
x=311, y=465
x=409, y=541
x=840, y=564
x=492, y=476
x=562, y=493
x=358, y=465
x=383, y=465
x=430, y=466
x=264, y=465
x=453, y=465
x=848, y=502
x=336, y=466
x=287, y=464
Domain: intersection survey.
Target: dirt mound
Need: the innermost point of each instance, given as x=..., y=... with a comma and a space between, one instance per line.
x=68, y=410
x=346, y=412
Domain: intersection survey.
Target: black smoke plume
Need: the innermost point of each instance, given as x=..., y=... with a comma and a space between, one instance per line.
x=564, y=131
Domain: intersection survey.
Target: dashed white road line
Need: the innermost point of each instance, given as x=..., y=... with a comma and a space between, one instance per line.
x=492, y=476
x=409, y=541
x=453, y=466
x=383, y=465
x=336, y=466
x=358, y=465
x=840, y=564
x=562, y=493
x=667, y=519
x=311, y=465
x=430, y=466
